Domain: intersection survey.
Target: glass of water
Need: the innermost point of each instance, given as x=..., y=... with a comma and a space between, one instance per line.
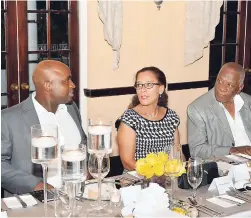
x=93, y=169
x=44, y=148
x=73, y=171
x=61, y=202
x=194, y=173
x=99, y=144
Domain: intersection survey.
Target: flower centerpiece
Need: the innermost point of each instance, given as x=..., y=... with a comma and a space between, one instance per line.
x=156, y=167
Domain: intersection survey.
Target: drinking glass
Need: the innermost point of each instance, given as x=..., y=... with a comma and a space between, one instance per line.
x=93, y=169
x=73, y=171
x=44, y=148
x=173, y=168
x=61, y=202
x=194, y=173
x=99, y=144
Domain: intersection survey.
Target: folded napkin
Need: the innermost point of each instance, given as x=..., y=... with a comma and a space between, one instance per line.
x=225, y=201
x=4, y=214
x=13, y=202
x=146, y=201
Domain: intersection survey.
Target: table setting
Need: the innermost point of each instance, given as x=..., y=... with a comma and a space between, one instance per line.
x=161, y=186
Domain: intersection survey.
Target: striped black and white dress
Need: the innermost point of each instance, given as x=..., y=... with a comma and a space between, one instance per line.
x=151, y=136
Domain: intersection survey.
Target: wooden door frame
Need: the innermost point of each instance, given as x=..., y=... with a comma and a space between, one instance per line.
x=245, y=34
x=245, y=41
x=23, y=70
x=11, y=53
x=17, y=66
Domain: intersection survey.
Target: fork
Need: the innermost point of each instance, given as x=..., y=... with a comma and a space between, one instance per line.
x=239, y=196
x=205, y=209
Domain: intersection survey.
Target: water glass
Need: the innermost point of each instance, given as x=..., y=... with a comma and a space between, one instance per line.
x=115, y=198
x=61, y=203
x=194, y=173
x=44, y=149
x=99, y=137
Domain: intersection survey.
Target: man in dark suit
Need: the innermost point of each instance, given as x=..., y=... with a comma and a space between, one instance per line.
x=54, y=91
x=219, y=122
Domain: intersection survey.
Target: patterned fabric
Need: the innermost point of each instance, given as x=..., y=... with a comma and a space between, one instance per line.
x=151, y=136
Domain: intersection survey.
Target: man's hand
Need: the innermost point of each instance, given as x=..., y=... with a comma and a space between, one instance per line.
x=40, y=186
x=241, y=149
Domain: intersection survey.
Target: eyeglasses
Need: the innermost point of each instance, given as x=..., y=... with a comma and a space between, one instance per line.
x=145, y=85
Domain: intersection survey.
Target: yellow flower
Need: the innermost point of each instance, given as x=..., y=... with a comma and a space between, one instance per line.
x=173, y=166
x=163, y=157
x=182, y=171
x=140, y=166
x=179, y=210
x=151, y=158
x=159, y=168
x=149, y=171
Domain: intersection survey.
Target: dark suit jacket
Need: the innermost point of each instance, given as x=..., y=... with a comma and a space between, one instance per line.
x=18, y=174
x=209, y=134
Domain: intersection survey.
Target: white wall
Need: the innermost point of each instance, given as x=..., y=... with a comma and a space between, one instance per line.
x=150, y=37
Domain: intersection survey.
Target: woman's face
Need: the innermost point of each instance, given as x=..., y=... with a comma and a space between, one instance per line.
x=148, y=88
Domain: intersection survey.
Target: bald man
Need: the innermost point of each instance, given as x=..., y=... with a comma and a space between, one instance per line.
x=51, y=103
x=219, y=122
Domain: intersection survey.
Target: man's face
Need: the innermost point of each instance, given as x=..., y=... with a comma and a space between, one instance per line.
x=62, y=86
x=227, y=85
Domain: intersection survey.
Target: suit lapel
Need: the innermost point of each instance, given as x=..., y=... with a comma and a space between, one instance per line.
x=30, y=118
x=29, y=113
x=218, y=111
x=74, y=116
x=245, y=116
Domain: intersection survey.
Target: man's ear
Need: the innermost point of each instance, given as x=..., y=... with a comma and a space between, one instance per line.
x=240, y=88
x=47, y=86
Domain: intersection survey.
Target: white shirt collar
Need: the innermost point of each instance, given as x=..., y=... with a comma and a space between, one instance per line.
x=40, y=109
x=238, y=103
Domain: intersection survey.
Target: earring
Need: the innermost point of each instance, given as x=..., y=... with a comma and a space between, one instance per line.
x=160, y=95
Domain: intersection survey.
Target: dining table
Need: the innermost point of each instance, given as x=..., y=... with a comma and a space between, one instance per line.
x=243, y=210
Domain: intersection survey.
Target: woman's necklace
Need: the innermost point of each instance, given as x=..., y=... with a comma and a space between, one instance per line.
x=154, y=114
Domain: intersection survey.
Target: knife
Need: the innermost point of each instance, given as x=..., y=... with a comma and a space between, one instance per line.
x=20, y=200
x=229, y=200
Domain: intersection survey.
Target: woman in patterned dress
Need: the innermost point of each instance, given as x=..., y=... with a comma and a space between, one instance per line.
x=148, y=125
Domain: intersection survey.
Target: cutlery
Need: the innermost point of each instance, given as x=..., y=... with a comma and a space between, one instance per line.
x=206, y=212
x=204, y=208
x=20, y=200
x=231, y=201
x=239, y=192
x=236, y=195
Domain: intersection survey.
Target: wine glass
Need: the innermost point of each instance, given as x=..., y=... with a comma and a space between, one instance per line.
x=194, y=174
x=44, y=148
x=173, y=167
x=93, y=169
x=99, y=144
x=73, y=171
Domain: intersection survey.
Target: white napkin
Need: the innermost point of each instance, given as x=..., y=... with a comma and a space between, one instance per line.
x=146, y=201
x=4, y=214
x=13, y=202
x=225, y=203
x=29, y=200
x=130, y=194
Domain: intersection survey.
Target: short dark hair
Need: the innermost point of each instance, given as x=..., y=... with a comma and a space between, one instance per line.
x=160, y=76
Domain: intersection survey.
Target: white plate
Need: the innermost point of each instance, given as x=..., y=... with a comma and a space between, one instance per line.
x=106, y=188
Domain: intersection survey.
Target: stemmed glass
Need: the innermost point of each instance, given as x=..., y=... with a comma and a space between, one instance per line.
x=174, y=167
x=93, y=169
x=194, y=174
x=44, y=148
x=73, y=171
x=99, y=144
